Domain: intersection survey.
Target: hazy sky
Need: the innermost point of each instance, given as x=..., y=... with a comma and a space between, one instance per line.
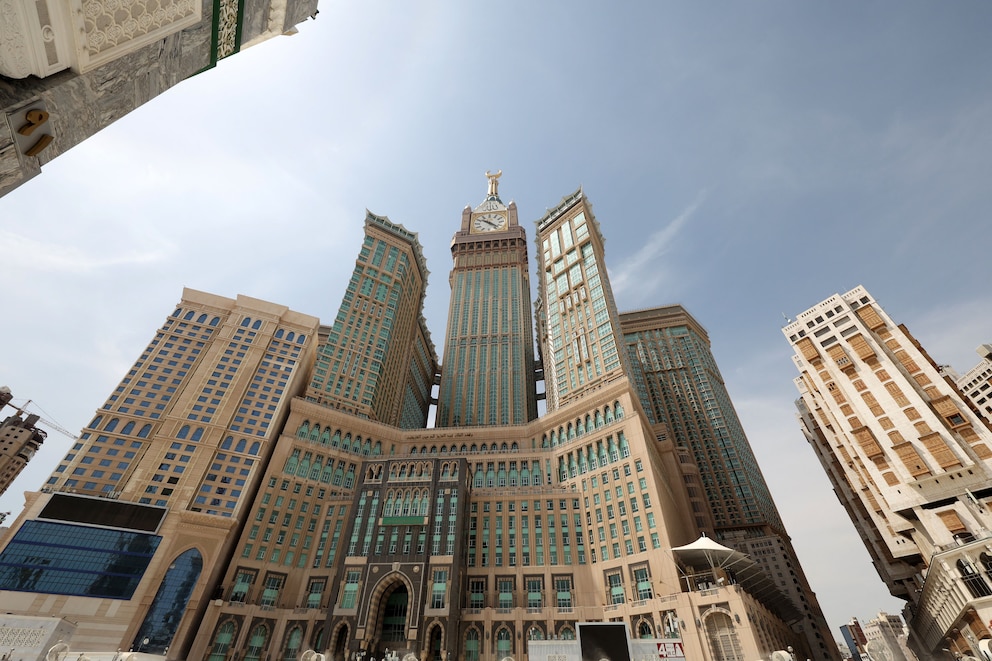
x=746, y=160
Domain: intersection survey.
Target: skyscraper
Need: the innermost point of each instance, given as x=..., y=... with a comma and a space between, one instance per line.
x=488, y=376
x=358, y=530
x=69, y=68
x=135, y=525
x=577, y=321
x=976, y=383
x=378, y=361
x=909, y=460
x=680, y=386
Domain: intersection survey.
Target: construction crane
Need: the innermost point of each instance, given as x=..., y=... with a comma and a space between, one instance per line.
x=4, y=390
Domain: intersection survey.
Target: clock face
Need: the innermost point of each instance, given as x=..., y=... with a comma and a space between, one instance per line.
x=489, y=222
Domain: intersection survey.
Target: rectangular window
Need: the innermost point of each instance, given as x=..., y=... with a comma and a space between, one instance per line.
x=350, y=595
x=440, y=588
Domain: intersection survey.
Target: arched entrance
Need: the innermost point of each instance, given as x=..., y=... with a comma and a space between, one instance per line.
x=169, y=606
x=339, y=644
x=435, y=642
x=392, y=628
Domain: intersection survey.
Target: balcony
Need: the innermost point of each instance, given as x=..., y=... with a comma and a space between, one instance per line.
x=47, y=36
x=957, y=591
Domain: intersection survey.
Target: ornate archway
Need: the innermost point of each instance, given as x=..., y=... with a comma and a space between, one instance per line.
x=389, y=608
x=338, y=647
x=435, y=641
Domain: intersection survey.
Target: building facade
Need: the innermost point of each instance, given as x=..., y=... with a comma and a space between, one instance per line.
x=357, y=531
x=133, y=530
x=976, y=383
x=489, y=376
x=909, y=459
x=69, y=68
x=378, y=360
x=19, y=441
x=682, y=390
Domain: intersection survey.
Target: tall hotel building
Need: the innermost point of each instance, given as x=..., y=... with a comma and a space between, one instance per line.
x=69, y=68
x=681, y=388
x=358, y=529
x=132, y=532
x=909, y=458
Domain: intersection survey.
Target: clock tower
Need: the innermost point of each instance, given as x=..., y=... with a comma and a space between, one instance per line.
x=487, y=377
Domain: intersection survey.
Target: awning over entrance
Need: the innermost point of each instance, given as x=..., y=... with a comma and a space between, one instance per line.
x=706, y=554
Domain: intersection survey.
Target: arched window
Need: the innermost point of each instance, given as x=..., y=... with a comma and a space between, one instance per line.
x=292, y=462
x=222, y=642
x=256, y=643
x=304, y=429
x=128, y=428
x=215, y=321
x=183, y=432
x=240, y=447
x=986, y=561
x=566, y=633
x=202, y=319
x=169, y=605
x=145, y=431
x=618, y=410
x=178, y=312
x=226, y=443
x=318, y=639
x=189, y=316
x=504, y=643
x=197, y=435
x=245, y=322
x=111, y=426
x=722, y=637
x=255, y=447
x=301, y=338
x=290, y=336
x=279, y=333
x=293, y=642
x=973, y=580
x=257, y=324
x=644, y=629
x=96, y=421
x=535, y=633
x=472, y=645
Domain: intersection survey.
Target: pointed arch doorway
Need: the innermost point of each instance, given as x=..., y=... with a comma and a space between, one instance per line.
x=392, y=616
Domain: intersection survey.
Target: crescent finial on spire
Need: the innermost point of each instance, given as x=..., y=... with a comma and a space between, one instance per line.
x=493, y=183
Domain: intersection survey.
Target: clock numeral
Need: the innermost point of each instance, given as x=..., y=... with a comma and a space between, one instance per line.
x=39, y=146
x=35, y=119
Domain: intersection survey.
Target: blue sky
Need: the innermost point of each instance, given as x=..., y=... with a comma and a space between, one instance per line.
x=746, y=160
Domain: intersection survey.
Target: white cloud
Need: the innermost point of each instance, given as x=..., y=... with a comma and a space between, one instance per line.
x=45, y=255
x=642, y=274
